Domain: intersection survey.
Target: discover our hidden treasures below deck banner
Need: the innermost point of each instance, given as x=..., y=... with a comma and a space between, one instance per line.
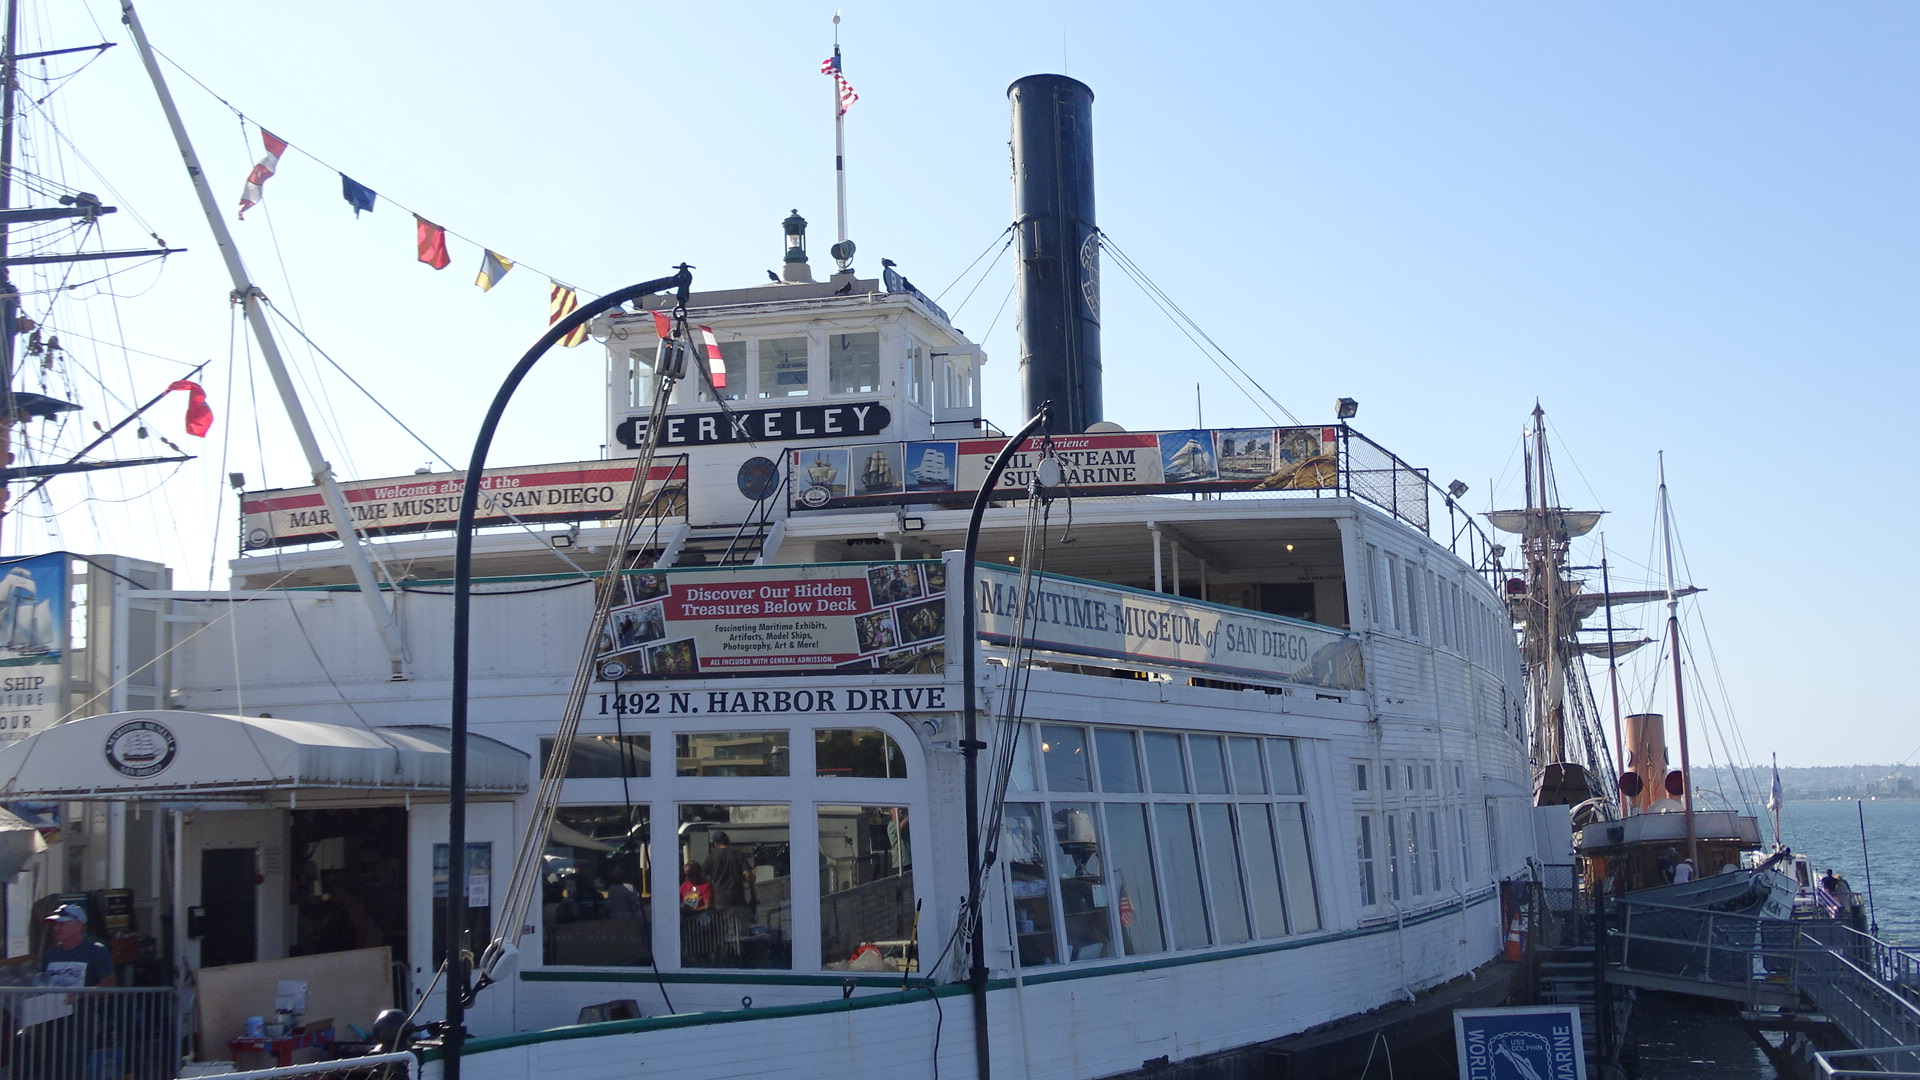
x=835, y=618
x=1116, y=463
x=33, y=631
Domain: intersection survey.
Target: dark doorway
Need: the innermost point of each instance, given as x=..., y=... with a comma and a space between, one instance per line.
x=230, y=896
x=350, y=879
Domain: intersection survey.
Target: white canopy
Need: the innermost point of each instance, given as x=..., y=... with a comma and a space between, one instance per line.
x=133, y=755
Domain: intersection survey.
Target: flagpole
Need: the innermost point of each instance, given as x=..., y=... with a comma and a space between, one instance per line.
x=839, y=137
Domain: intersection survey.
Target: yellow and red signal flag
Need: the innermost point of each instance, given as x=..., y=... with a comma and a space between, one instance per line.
x=562, y=302
x=262, y=170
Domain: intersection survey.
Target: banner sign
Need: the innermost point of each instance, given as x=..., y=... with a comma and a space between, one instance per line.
x=575, y=491
x=1072, y=616
x=1116, y=463
x=33, y=643
x=833, y=618
x=1538, y=1042
x=782, y=424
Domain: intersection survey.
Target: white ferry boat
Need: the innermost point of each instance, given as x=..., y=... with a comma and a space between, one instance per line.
x=1225, y=779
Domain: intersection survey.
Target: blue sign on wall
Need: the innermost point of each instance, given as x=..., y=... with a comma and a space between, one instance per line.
x=1527, y=1043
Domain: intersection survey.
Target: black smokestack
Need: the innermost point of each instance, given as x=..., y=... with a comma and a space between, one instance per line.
x=1058, y=276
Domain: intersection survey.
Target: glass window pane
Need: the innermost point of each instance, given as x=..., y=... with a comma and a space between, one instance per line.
x=1286, y=774
x=1368, y=895
x=1223, y=873
x=1166, y=767
x=1064, y=749
x=730, y=753
x=1084, y=896
x=1186, y=898
x=1433, y=846
x=594, y=889
x=640, y=383
x=1119, y=762
x=1297, y=860
x=1209, y=764
x=597, y=757
x=1025, y=776
x=866, y=889
x=1133, y=879
x=1023, y=848
x=734, y=355
x=857, y=752
x=853, y=363
x=1248, y=777
x=1393, y=852
x=1413, y=853
x=783, y=367
x=743, y=854
x=1263, y=870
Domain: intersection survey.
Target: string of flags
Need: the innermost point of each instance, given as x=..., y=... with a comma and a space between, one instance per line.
x=430, y=244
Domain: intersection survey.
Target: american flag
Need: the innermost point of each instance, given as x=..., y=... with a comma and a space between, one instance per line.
x=831, y=66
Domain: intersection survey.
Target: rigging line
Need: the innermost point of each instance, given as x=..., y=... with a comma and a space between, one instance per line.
x=326, y=672
x=1139, y=273
x=120, y=200
x=315, y=388
x=1006, y=232
x=1561, y=451
x=997, y=313
x=226, y=449
x=984, y=274
x=355, y=383
x=1181, y=324
x=78, y=336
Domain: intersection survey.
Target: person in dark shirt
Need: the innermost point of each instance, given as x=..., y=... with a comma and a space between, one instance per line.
x=73, y=957
x=730, y=873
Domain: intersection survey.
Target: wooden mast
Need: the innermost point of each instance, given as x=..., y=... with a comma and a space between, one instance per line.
x=1679, y=691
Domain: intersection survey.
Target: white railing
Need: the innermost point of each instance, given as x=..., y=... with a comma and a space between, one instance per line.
x=399, y=1066
x=56, y=1033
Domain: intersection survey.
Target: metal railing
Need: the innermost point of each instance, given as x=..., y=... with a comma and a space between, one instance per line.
x=55, y=1033
x=1867, y=988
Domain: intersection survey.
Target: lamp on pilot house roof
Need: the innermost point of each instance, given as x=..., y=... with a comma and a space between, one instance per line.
x=1456, y=489
x=796, y=269
x=1345, y=409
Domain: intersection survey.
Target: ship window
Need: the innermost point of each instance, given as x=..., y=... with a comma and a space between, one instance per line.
x=603, y=756
x=1022, y=847
x=1386, y=775
x=593, y=886
x=1186, y=900
x=1364, y=845
x=1413, y=600
x=1374, y=592
x=1286, y=773
x=1296, y=857
x=1085, y=894
x=1466, y=849
x=1399, y=589
x=745, y=854
x=1393, y=855
x=1166, y=769
x=1413, y=853
x=1359, y=776
x=866, y=889
x=1263, y=871
x=1426, y=774
x=853, y=363
x=857, y=752
x=1223, y=873
x=1133, y=879
x=640, y=384
x=1433, y=846
x=730, y=753
x=916, y=373
x=783, y=367
x=1023, y=776
x=1409, y=779
x=1119, y=762
x=1209, y=764
x=1248, y=778
x=1065, y=751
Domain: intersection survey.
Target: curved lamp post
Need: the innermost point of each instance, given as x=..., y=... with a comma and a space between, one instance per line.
x=971, y=745
x=458, y=992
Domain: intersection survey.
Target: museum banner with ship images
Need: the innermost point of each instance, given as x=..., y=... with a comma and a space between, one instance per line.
x=1115, y=463
x=1072, y=616
x=572, y=491
x=834, y=618
x=33, y=643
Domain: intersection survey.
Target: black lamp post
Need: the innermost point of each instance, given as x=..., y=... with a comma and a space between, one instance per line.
x=459, y=992
x=796, y=229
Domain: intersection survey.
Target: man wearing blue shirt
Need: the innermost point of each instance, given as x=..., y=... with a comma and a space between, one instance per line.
x=73, y=957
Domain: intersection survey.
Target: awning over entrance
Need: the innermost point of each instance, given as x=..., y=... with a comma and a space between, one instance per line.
x=135, y=755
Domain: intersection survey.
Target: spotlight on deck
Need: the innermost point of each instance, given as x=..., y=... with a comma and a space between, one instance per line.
x=1345, y=408
x=1456, y=489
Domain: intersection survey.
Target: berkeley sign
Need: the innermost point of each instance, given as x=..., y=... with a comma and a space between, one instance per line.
x=857, y=418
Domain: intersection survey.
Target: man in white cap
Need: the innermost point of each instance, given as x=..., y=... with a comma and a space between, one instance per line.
x=73, y=957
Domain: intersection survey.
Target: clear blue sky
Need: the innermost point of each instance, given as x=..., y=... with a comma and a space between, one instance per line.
x=1688, y=228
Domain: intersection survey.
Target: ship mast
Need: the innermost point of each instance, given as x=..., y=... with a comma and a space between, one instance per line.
x=248, y=295
x=1679, y=693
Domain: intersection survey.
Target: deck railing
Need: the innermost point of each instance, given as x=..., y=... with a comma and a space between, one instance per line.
x=54, y=1033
